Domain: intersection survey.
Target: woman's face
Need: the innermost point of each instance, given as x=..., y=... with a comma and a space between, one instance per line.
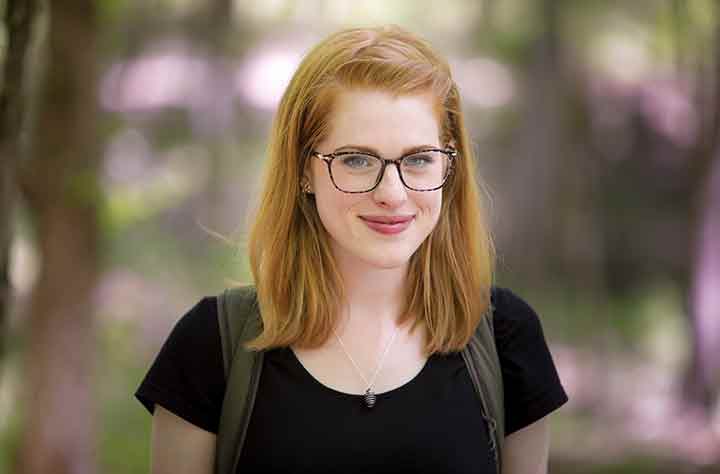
x=389, y=126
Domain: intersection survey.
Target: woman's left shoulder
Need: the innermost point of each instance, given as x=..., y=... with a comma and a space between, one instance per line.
x=513, y=315
x=531, y=383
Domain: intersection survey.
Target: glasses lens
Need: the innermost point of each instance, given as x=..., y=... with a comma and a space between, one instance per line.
x=355, y=172
x=359, y=172
x=425, y=170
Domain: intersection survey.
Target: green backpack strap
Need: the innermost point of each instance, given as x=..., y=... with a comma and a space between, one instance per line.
x=483, y=364
x=239, y=321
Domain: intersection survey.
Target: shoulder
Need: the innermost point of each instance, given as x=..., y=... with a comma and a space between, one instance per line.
x=508, y=304
x=531, y=383
x=196, y=328
x=194, y=341
x=513, y=317
x=200, y=317
x=187, y=376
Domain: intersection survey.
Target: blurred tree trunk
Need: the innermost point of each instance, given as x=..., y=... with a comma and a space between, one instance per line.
x=19, y=18
x=60, y=185
x=702, y=377
x=540, y=153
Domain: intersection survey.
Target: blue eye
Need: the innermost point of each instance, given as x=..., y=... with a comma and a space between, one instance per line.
x=359, y=161
x=419, y=160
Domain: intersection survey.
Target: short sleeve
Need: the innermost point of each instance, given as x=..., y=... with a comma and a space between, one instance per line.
x=187, y=376
x=531, y=383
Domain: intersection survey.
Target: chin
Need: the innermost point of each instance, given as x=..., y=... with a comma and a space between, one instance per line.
x=386, y=262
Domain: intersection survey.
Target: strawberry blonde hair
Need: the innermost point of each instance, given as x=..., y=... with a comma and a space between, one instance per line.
x=298, y=285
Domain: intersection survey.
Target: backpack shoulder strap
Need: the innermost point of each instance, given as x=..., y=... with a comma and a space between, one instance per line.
x=483, y=364
x=235, y=306
x=239, y=321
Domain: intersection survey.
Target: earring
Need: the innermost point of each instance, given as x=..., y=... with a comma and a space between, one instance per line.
x=305, y=185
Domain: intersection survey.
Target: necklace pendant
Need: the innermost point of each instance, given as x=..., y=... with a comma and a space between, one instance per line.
x=370, y=398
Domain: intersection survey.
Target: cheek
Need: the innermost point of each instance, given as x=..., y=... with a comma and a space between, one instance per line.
x=333, y=206
x=431, y=204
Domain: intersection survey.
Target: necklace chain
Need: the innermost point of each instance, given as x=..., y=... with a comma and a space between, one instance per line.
x=380, y=364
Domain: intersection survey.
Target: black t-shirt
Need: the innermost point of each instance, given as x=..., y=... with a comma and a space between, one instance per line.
x=430, y=424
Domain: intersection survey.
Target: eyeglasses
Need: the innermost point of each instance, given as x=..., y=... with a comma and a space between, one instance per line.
x=361, y=172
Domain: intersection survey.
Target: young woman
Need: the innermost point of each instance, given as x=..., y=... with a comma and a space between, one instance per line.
x=373, y=267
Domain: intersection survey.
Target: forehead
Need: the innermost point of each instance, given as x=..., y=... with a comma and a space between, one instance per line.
x=385, y=122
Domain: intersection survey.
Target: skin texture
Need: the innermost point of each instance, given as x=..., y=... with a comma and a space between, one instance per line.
x=526, y=451
x=390, y=125
x=179, y=447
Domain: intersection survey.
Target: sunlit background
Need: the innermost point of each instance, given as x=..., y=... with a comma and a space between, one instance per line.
x=597, y=128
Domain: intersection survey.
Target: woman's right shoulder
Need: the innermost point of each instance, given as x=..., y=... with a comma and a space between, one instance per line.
x=200, y=319
x=187, y=375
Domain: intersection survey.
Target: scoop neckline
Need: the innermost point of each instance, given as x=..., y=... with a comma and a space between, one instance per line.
x=379, y=395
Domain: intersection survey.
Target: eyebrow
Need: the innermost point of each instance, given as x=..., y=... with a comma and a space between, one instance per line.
x=368, y=149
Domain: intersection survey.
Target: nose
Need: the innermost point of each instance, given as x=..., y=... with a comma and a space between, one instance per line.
x=390, y=191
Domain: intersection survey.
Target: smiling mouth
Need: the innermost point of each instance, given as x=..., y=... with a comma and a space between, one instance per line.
x=387, y=219
x=389, y=226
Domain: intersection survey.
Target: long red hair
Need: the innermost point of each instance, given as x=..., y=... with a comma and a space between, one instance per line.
x=298, y=285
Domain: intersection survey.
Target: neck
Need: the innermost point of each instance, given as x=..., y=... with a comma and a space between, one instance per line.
x=374, y=297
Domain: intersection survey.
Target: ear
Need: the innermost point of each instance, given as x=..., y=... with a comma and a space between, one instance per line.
x=306, y=186
x=306, y=181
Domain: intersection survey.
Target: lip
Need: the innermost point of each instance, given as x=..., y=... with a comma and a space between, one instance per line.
x=389, y=225
x=387, y=219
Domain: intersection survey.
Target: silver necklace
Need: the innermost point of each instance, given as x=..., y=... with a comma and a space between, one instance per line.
x=370, y=396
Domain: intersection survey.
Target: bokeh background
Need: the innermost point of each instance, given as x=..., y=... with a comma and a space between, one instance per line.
x=133, y=134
